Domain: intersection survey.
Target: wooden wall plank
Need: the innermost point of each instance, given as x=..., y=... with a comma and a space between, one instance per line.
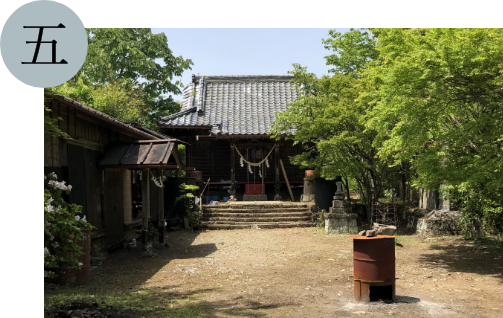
x=64, y=152
x=55, y=148
x=78, y=127
x=114, y=207
x=128, y=206
x=63, y=113
x=47, y=150
x=76, y=176
x=71, y=122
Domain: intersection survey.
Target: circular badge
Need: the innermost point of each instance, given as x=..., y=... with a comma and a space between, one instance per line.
x=44, y=43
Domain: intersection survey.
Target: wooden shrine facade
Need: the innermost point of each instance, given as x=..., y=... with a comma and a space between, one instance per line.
x=223, y=112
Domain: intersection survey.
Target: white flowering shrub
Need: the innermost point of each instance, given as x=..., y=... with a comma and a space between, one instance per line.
x=62, y=227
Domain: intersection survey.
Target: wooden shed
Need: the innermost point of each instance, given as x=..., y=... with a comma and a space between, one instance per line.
x=108, y=189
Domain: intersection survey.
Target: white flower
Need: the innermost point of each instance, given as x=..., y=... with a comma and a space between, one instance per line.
x=46, y=250
x=55, y=244
x=80, y=264
x=69, y=188
x=72, y=235
x=50, y=200
x=77, y=218
x=50, y=208
x=84, y=219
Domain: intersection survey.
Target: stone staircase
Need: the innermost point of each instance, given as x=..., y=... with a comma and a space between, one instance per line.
x=262, y=215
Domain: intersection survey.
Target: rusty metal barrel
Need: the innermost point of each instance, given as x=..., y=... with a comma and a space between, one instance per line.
x=374, y=265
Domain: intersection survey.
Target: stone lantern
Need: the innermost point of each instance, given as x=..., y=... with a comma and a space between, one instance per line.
x=340, y=219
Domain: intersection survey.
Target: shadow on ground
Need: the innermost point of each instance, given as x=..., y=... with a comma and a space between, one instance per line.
x=152, y=302
x=406, y=299
x=461, y=256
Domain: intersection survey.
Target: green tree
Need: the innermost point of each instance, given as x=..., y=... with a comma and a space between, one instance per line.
x=132, y=58
x=51, y=124
x=353, y=50
x=437, y=103
x=329, y=122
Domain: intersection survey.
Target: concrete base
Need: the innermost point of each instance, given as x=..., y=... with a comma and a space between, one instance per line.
x=306, y=197
x=336, y=223
x=254, y=197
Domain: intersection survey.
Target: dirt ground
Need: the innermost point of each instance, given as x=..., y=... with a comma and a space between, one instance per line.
x=301, y=272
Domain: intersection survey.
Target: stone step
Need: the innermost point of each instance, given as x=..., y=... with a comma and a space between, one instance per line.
x=273, y=225
x=255, y=210
x=256, y=206
x=256, y=219
x=259, y=214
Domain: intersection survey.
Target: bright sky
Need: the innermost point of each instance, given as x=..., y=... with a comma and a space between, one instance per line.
x=248, y=51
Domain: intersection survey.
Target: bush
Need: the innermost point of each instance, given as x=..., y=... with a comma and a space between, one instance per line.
x=192, y=210
x=62, y=227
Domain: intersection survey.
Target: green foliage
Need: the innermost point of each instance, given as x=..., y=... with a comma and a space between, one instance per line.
x=193, y=212
x=182, y=154
x=51, y=125
x=62, y=227
x=128, y=73
x=118, y=99
x=437, y=104
x=352, y=49
x=330, y=124
x=320, y=218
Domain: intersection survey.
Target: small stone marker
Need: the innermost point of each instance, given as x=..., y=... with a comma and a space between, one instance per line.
x=186, y=223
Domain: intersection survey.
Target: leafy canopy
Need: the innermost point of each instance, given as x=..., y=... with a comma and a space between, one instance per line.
x=143, y=66
x=437, y=103
x=353, y=50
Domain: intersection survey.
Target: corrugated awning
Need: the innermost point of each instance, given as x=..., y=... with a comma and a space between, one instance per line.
x=143, y=154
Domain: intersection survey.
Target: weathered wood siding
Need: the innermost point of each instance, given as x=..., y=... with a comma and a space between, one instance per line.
x=213, y=158
x=76, y=161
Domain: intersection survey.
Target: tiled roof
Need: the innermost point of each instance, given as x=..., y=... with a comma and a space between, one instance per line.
x=233, y=105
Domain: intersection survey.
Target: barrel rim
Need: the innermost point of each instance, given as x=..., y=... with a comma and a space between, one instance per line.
x=359, y=237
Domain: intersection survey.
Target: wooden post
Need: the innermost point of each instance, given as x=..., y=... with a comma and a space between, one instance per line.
x=277, y=184
x=160, y=215
x=286, y=179
x=263, y=175
x=232, y=190
x=145, y=206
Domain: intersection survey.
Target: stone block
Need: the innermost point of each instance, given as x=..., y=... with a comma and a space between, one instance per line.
x=371, y=233
x=438, y=223
x=340, y=223
x=382, y=229
x=340, y=204
x=255, y=197
x=306, y=197
x=340, y=210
